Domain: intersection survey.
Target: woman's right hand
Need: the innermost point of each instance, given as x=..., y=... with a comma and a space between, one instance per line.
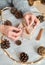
x=11, y=32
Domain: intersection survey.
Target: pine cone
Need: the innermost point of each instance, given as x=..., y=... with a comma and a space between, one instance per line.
x=5, y=44
x=41, y=50
x=17, y=13
x=18, y=42
x=23, y=57
x=40, y=17
x=7, y=22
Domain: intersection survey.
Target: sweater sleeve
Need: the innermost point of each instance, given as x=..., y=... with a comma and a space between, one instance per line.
x=3, y=3
x=24, y=7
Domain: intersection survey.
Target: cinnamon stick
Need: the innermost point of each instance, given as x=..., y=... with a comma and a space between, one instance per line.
x=39, y=34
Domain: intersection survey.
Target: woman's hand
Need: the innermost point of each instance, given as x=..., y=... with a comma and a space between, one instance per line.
x=11, y=32
x=30, y=19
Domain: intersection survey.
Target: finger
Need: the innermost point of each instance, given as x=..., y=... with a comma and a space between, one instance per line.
x=26, y=19
x=14, y=38
x=10, y=33
x=14, y=28
x=32, y=18
x=16, y=34
x=37, y=22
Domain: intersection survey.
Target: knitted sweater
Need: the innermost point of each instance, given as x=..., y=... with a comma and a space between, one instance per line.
x=20, y=5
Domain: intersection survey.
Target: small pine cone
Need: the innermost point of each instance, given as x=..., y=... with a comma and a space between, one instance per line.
x=23, y=57
x=5, y=44
x=13, y=10
x=18, y=42
x=18, y=14
x=41, y=50
x=7, y=22
x=40, y=17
